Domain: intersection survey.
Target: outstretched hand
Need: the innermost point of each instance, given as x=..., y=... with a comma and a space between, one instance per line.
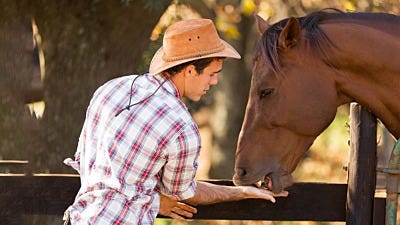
x=254, y=192
x=175, y=209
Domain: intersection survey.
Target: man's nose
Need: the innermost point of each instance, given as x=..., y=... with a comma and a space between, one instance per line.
x=214, y=80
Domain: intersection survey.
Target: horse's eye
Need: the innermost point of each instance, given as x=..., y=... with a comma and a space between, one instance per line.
x=265, y=92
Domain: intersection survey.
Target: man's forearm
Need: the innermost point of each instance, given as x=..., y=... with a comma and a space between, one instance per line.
x=208, y=193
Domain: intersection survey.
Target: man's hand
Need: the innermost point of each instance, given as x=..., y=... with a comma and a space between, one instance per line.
x=208, y=193
x=175, y=209
x=254, y=192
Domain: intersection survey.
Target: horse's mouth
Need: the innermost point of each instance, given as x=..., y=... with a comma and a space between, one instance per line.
x=264, y=183
x=275, y=182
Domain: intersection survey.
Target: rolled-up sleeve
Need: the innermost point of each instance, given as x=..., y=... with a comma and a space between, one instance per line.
x=178, y=174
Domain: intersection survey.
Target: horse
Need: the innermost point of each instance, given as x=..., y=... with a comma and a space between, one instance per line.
x=303, y=69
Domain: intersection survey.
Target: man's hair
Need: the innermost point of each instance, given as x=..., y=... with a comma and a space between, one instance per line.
x=198, y=64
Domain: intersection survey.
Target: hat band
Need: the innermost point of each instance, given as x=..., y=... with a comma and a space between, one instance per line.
x=194, y=55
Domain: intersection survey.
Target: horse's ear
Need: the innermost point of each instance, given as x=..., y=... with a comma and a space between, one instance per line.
x=290, y=34
x=262, y=24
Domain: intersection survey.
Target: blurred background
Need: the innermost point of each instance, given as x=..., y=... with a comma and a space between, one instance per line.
x=54, y=54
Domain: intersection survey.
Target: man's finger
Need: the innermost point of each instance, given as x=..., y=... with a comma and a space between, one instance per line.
x=282, y=194
x=270, y=198
x=182, y=212
x=269, y=195
x=176, y=216
x=186, y=207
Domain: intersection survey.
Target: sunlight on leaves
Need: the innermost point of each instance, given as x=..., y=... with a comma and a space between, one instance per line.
x=248, y=7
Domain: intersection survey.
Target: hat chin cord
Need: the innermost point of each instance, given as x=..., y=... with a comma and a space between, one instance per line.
x=127, y=107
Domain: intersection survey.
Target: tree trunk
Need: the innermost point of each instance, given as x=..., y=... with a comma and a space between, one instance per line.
x=230, y=102
x=231, y=93
x=17, y=127
x=85, y=43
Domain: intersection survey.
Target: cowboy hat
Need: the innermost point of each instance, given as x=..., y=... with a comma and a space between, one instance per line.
x=189, y=40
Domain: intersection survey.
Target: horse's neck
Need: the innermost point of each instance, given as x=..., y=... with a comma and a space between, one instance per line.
x=367, y=61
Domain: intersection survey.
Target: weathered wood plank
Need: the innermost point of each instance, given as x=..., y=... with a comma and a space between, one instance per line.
x=307, y=201
x=51, y=195
x=37, y=194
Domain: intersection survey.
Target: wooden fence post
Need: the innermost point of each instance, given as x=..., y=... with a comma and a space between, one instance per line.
x=362, y=167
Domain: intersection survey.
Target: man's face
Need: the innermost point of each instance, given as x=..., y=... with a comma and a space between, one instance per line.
x=197, y=85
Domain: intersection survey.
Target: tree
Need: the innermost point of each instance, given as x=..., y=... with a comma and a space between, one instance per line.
x=84, y=44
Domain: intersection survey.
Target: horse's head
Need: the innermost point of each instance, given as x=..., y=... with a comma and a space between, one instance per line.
x=290, y=103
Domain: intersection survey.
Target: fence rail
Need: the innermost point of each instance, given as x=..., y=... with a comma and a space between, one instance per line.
x=51, y=195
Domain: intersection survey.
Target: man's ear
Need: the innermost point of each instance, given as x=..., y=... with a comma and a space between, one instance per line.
x=189, y=70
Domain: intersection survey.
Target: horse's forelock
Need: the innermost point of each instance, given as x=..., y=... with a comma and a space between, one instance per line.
x=269, y=44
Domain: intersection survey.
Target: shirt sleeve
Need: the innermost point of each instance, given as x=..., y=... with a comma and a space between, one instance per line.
x=178, y=175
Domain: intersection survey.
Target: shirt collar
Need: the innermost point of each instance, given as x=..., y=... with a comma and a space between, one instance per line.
x=168, y=85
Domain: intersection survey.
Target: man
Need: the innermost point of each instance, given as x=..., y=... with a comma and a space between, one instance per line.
x=137, y=153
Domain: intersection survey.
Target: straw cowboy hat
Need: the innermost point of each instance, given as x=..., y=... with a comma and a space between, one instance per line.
x=189, y=40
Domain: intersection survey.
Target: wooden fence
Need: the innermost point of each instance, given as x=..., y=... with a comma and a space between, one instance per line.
x=354, y=202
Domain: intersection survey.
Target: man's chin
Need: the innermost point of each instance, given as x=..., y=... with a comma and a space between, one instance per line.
x=196, y=99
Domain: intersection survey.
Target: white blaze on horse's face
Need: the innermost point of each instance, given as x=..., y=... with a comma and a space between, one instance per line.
x=283, y=114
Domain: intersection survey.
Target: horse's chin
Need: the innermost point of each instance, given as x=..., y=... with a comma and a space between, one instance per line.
x=278, y=182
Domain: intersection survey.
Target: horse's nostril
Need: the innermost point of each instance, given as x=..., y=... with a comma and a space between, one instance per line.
x=241, y=172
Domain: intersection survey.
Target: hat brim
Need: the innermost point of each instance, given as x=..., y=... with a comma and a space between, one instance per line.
x=158, y=64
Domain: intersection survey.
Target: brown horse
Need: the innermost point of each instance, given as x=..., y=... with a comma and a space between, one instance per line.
x=303, y=69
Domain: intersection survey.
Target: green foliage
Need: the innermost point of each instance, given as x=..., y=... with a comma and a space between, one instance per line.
x=144, y=64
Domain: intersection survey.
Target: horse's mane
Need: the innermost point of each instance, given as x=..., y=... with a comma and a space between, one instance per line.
x=315, y=36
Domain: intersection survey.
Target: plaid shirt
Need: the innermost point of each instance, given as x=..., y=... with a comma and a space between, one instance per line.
x=124, y=161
